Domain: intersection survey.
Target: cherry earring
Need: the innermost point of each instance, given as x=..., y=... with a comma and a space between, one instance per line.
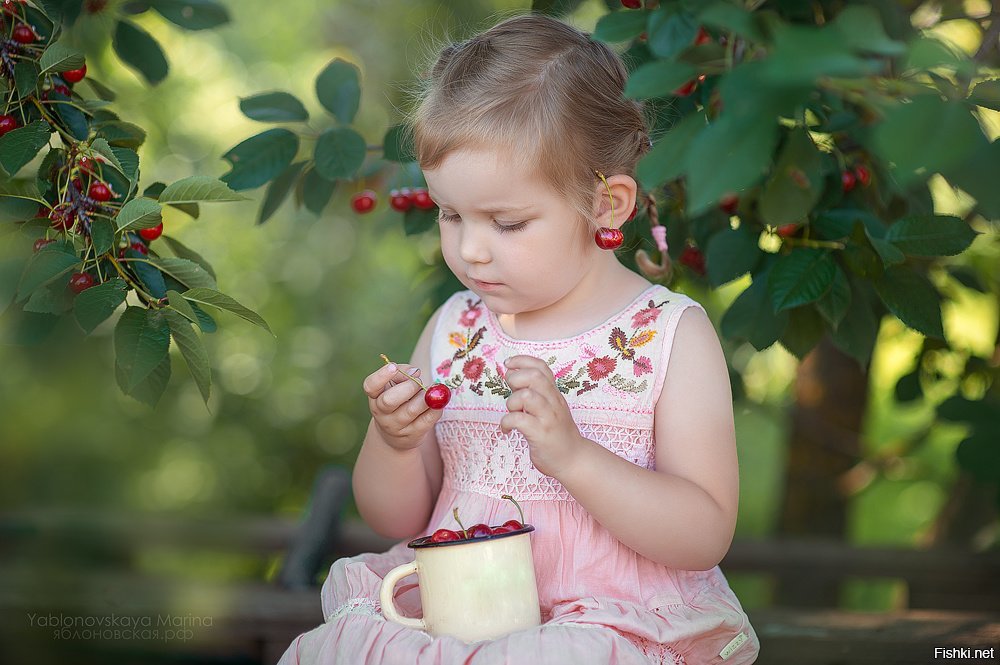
x=609, y=238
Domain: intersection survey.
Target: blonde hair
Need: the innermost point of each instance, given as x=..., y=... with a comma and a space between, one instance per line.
x=542, y=92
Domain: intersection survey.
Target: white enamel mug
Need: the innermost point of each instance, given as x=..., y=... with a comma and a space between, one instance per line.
x=474, y=590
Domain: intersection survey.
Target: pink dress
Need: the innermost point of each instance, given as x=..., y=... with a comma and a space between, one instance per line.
x=601, y=602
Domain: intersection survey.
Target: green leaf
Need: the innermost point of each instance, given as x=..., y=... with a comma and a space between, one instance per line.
x=19, y=146
x=139, y=213
x=73, y=119
x=150, y=389
x=800, y=277
x=205, y=322
x=751, y=316
x=102, y=234
x=664, y=162
x=908, y=387
x=731, y=254
x=340, y=151
x=184, y=271
x=222, y=301
x=857, y=331
x=731, y=18
x=416, y=221
x=53, y=298
x=278, y=190
x=728, y=156
x=980, y=456
x=804, y=331
x=142, y=341
x=796, y=182
x=658, y=78
x=182, y=306
x=184, y=252
x=948, y=135
x=122, y=134
x=912, y=298
x=10, y=271
x=59, y=57
x=861, y=29
x=834, y=305
x=931, y=235
x=101, y=90
x=670, y=32
x=397, y=146
x=316, y=191
x=198, y=188
x=93, y=306
x=804, y=54
x=620, y=26
x=103, y=148
x=260, y=158
x=274, y=107
x=139, y=50
x=192, y=14
x=49, y=263
x=193, y=349
x=339, y=89
x=26, y=75
x=149, y=275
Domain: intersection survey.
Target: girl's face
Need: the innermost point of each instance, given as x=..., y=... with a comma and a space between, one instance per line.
x=505, y=234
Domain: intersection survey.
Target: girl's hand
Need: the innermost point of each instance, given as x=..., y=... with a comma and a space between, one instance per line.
x=540, y=412
x=398, y=408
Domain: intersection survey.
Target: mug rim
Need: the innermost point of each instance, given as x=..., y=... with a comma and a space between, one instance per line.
x=417, y=544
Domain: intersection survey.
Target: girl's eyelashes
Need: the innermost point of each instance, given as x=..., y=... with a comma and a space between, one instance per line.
x=500, y=227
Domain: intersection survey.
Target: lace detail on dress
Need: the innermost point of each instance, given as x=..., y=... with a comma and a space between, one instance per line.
x=658, y=653
x=363, y=606
x=478, y=457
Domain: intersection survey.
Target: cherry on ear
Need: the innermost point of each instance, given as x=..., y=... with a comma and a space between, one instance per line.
x=609, y=238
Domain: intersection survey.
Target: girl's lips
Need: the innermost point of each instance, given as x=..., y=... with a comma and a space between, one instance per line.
x=487, y=286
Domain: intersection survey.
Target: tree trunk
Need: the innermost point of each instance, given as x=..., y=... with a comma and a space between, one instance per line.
x=831, y=392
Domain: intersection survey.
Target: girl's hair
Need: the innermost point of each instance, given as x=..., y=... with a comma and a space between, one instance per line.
x=541, y=92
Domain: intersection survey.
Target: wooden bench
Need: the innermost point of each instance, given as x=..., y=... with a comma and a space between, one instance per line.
x=60, y=571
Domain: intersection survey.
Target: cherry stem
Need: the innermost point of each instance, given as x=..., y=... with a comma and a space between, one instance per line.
x=516, y=504
x=412, y=378
x=454, y=512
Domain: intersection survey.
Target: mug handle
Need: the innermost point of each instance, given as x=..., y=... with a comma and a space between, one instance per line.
x=385, y=596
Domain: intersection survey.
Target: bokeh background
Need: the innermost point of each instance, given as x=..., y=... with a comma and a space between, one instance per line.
x=342, y=288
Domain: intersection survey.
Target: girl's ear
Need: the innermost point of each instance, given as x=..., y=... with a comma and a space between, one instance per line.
x=623, y=191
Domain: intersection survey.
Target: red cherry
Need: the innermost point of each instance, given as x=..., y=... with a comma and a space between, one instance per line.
x=95, y=6
x=63, y=90
x=7, y=123
x=514, y=525
x=729, y=203
x=399, y=201
x=152, y=233
x=75, y=75
x=437, y=396
x=42, y=242
x=100, y=192
x=80, y=281
x=87, y=165
x=787, y=230
x=702, y=38
x=444, y=536
x=503, y=528
x=63, y=218
x=422, y=199
x=848, y=180
x=632, y=4
x=609, y=238
x=863, y=175
x=364, y=201
x=479, y=531
x=687, y=88
x=635, y=211
x=693, y=259
x=10, y=6
x=23, y=34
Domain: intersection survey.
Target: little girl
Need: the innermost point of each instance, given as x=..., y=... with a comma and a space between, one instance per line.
x=597, y=399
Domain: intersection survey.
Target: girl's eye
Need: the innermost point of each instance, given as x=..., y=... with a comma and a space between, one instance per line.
x=500, y=227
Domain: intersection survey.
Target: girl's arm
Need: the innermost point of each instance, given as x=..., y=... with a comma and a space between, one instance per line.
x=395, y=490
x=683, y=514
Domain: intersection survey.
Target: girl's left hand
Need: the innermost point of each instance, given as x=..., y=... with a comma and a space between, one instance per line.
x=540, y=412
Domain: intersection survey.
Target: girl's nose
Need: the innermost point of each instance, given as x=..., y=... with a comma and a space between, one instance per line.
x=473, y=245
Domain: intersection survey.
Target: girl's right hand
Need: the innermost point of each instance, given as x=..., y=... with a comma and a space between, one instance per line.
x=399, y=411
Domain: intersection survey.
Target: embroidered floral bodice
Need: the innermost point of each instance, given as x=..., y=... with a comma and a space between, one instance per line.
x=611, y=377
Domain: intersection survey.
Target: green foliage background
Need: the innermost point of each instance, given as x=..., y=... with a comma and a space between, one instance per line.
x=340, y=289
